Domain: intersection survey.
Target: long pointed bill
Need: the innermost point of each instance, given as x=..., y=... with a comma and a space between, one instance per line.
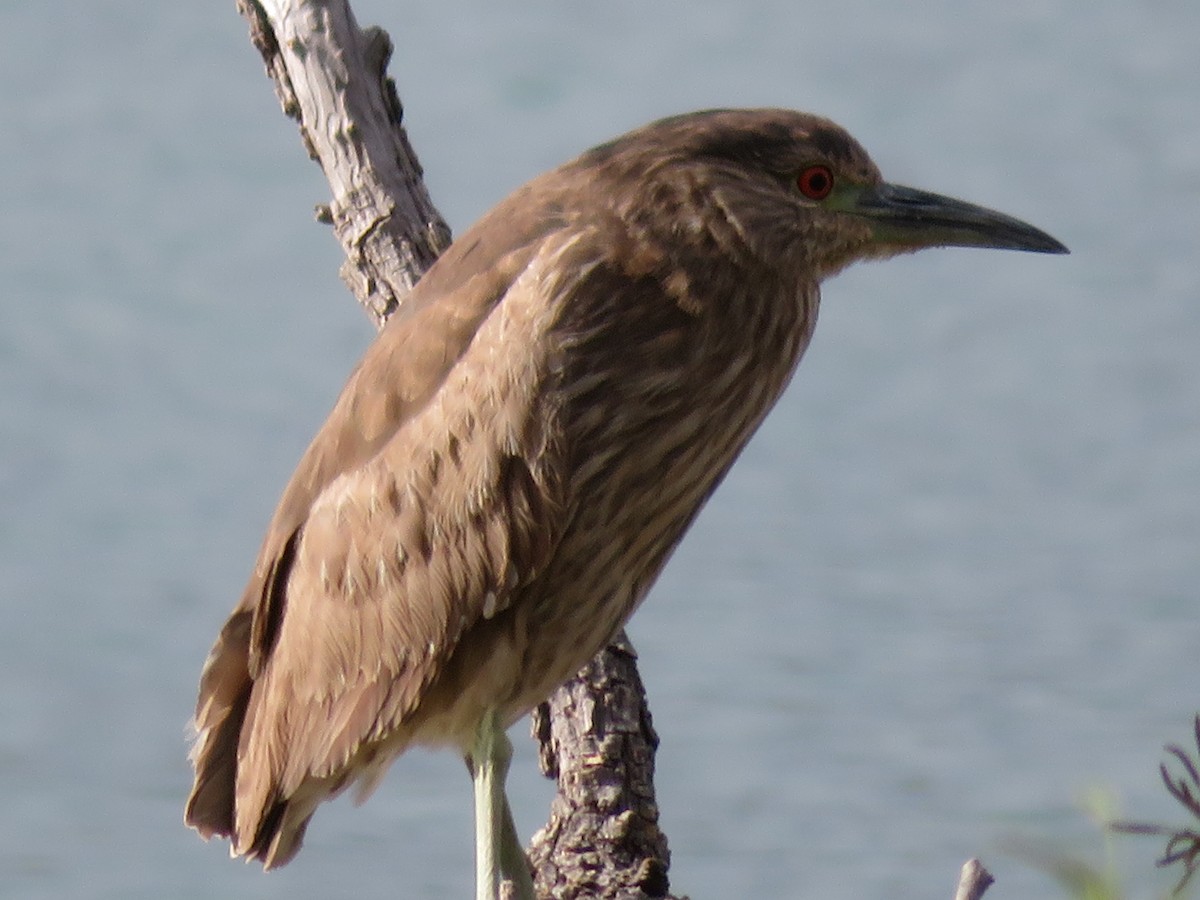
x=906, y=217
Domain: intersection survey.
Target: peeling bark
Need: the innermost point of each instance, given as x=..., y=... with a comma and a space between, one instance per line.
x=598, y=743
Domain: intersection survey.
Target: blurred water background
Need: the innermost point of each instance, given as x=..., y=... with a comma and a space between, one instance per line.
x=952, y=583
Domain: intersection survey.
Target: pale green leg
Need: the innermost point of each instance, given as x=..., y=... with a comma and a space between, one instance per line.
x=513, y=863
x=498, y=852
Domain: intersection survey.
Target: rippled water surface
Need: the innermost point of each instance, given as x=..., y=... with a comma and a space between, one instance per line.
x=951, y=585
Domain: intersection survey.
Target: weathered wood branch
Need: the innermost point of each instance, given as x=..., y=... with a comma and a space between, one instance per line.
x=598, y=743
x=331, y=76
x=973, y=881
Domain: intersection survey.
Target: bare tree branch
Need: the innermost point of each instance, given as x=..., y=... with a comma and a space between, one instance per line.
x=331, y=76
x=598, y=742
x=973, y=881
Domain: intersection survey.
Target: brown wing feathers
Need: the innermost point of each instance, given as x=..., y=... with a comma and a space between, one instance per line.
x=343, y=622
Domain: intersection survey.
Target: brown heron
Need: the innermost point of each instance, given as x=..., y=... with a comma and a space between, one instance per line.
x=519, y=451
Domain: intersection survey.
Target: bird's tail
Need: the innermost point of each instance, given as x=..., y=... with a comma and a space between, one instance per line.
x=225, y=689
x=220, y=713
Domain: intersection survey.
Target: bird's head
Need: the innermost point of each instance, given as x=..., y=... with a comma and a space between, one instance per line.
x=794, y=187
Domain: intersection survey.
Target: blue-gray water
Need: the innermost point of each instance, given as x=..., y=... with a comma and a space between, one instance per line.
x=952, y=584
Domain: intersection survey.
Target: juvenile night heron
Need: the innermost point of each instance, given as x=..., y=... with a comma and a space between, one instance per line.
x=512, y=462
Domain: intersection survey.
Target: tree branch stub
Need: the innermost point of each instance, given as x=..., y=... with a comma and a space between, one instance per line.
x=973, y=881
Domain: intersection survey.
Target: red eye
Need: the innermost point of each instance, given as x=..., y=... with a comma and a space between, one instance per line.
x=815, y=182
